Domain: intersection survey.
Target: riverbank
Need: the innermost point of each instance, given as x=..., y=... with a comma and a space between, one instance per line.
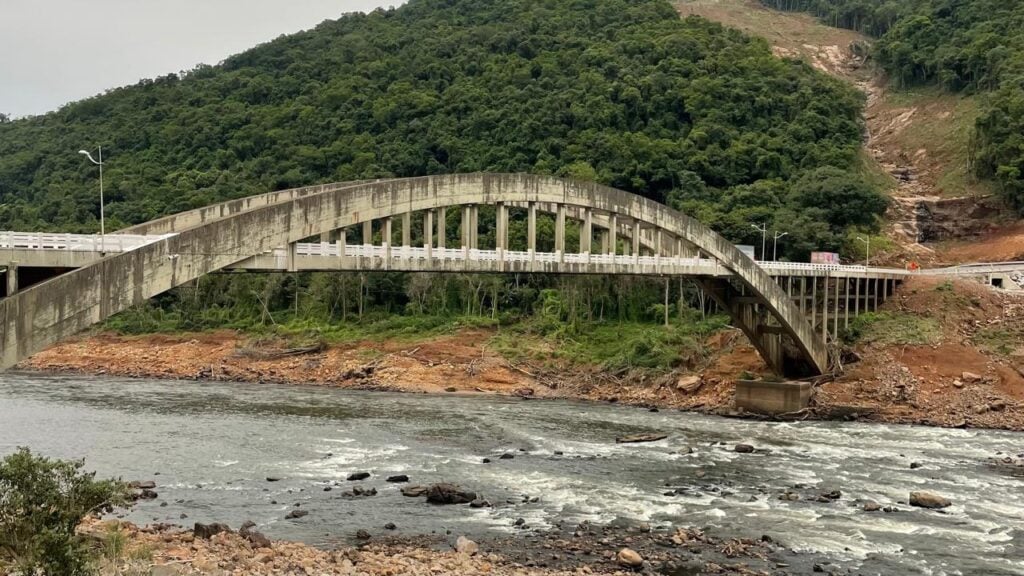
x=938, y=353
x=169, y=550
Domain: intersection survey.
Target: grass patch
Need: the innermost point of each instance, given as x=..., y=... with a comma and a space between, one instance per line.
x=894, y=328
x=613, y=346
x=998, y=341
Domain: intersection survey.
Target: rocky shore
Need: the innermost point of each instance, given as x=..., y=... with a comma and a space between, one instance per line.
x=168, y=550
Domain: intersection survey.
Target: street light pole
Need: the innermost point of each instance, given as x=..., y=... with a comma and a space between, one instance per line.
x=867, y=258
x=775, y=247
x=103, y=226
x=763, y=228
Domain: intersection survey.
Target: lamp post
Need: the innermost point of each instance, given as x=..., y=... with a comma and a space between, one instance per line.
x=775, y=247
x=763, y=228
x=103, y=230
x=867, y=258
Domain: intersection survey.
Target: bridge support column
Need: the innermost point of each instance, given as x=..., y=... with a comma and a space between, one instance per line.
x=587, y=234
x=501, y=241
x=406, y=229
x=341, y=244
x=636, y=241
x=560, y=232
x=428, y=233
x=814, y=302
x=466, y=218
x=602, y=236
x=12, y=278
x=856, y=297
x=442, y=221
x=835, y=312
x=368, y=233
x=874, y=294
x=474, y=227
x=824, y=311
x=387, y=243
x=613, y=231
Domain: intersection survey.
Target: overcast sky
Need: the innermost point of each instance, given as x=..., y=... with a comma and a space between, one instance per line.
x=56, y=51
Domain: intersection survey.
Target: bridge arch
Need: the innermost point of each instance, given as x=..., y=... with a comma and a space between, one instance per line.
x=44, y=314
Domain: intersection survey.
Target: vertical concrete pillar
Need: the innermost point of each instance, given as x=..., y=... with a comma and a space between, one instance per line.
x=814, y=302
x=874, y=282
x=342, y=241
x=560, y=233
x=407, y=229
x=531, y=227
x=368, y=233
x=325, y=237
x=387, y=243
x=636, y=240
x=474, y=227
x=587, y=234
x=428, y=233
x=835, y=311
x=12, y=278
x=501, y=241
x=442, y=221
x=846, y=308
x=856, y=298
x=824, y=311
x=602, y=236
x=803, y=294
x=466, y=222
x=613, y=232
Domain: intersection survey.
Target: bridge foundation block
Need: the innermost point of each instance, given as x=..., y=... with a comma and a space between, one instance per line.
x=772, y=397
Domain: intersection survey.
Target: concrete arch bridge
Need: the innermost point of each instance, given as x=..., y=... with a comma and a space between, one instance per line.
x=790, y=312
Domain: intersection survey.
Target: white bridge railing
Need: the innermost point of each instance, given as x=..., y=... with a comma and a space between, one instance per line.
x=110, y=243
x=116, y=243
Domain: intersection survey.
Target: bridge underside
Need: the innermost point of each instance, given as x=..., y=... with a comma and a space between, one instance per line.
x=780, y=314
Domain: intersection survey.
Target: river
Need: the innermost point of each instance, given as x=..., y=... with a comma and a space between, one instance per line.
x=211, y=446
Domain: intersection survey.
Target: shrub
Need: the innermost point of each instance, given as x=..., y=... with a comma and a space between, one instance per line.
x=42, y=501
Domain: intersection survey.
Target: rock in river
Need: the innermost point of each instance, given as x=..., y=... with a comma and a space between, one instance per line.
x=358, y=476
x=414, y=491
x=929, y=500
x=744, y=448
x=629, y=558
x=398, y=478
x=449, y=494
x=635, y=438
x=207, y=531
x=294, y=514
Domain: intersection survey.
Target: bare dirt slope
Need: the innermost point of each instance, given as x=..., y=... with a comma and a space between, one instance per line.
x=918, y=140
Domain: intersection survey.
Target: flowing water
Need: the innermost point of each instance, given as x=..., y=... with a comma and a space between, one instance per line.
x=211, y=446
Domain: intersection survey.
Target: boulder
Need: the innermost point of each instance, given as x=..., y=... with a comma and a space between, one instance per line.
x=273, y=479
x=629, y=558
x=414, y=491
x=744, y=448
x=466, y=546
x=142, y=485
x=929, y=500
x=506, y=456
x=479, y=503
x=524, y=392
x=449, y=494
x=872, y=506
x=398, y=478
x=390, y=526
x=257, y=539
x=358, y=476
x=207, y=531
x=295, y=514
x=971, y=377
x=689, y=384
x=362, y=534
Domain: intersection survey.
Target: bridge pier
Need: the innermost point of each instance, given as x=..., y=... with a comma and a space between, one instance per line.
x=442, y=221
x=428, y=233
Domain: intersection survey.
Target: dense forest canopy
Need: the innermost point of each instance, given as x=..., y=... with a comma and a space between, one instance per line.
x=974, y=46
x=622, y=92
x=619, y=91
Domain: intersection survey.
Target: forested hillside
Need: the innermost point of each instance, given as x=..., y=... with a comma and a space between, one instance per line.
x=975, y=47
x=619, y=91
